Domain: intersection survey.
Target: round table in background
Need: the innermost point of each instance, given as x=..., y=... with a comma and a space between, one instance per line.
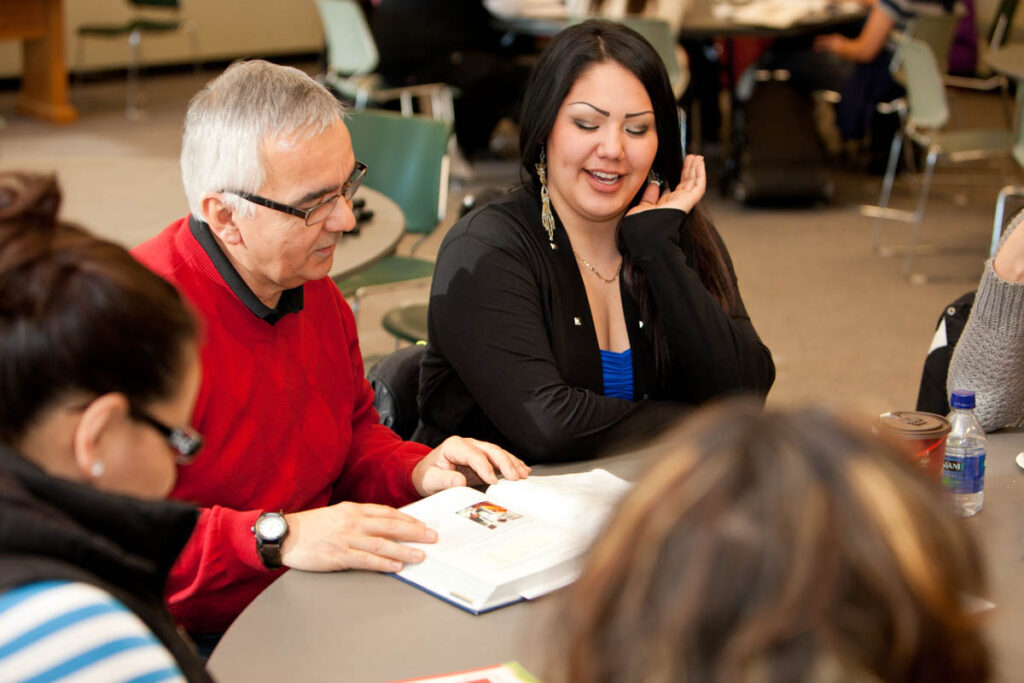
x=376, y=239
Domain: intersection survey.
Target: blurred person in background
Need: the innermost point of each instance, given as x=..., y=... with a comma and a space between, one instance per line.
x=857, y=67
x=459, y=43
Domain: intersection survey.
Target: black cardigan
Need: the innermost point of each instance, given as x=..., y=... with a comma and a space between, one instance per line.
x=513, y=355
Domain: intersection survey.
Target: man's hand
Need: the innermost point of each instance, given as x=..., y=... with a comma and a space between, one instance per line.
x=692, y=184
x=461, y=462
x=353, y=536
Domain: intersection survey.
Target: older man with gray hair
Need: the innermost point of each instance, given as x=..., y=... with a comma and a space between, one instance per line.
x=297, y=471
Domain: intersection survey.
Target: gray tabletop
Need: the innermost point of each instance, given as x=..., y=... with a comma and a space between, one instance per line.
x=999, y=528
x=360, y=626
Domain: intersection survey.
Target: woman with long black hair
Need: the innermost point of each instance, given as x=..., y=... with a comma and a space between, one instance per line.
x=598, y=301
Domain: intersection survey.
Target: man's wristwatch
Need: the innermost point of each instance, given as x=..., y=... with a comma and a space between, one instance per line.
x=270, y=530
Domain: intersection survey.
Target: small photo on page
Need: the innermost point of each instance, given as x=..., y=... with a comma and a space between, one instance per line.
x=488, y=514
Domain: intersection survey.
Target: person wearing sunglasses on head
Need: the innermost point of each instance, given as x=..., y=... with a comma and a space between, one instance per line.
x=298, y=472
x=99, y=371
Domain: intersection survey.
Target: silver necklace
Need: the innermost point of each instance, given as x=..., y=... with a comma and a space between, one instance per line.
x=597, y=273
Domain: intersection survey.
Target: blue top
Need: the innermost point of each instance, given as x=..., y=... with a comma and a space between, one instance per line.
x=617, y=369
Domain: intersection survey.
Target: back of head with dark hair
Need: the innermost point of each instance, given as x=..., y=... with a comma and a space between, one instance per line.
x=77, y=313
x=777, y=546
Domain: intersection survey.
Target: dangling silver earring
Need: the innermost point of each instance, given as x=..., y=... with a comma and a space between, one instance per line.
x=546, y=219
x=97, y=469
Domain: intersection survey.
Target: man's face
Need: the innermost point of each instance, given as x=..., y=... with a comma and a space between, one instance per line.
x=279, y=251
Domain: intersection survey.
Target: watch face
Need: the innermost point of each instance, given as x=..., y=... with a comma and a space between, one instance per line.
x=271, y=527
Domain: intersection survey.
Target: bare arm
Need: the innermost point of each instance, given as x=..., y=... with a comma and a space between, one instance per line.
x=866, y=46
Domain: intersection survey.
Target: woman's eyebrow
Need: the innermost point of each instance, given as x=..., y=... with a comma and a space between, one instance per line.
x=602, y=112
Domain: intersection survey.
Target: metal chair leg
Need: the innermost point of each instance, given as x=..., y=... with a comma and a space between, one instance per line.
x=131, y=109
x=406, y=100
x=682, y=128
x=887, y=183
x=356, y=300
x=79, y=56
x=193, y=39
x=922, y=201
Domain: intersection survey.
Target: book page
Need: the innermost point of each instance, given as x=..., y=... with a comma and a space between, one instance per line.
x=517, y=539
x=489, y=540
x=582, y=502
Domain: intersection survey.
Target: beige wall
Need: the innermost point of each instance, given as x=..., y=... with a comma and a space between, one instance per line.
x=226, y=28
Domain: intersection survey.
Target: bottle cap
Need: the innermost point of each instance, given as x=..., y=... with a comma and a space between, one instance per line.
x=962, y=399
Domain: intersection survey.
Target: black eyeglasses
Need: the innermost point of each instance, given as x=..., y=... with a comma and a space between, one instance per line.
x=185, y=441
x=320, y=212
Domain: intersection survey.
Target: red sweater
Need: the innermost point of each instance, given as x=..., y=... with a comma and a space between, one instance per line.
x=288, y=423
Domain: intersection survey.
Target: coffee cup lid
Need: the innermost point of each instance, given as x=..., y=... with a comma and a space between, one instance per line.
x=909, y=424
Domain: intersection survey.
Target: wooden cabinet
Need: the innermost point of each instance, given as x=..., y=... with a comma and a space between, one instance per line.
x=39, y=25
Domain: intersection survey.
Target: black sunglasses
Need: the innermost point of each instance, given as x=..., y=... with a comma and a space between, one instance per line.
x=319, y=213
x=185, y=441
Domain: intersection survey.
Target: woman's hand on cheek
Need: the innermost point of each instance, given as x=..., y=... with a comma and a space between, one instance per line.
x=689, y=191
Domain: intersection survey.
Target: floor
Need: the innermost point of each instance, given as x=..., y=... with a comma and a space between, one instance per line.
x=844, y=326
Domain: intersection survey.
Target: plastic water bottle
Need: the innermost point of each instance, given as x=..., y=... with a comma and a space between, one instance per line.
x=963, y=471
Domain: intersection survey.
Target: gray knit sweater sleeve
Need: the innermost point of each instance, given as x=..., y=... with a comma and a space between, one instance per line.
x=989, y=358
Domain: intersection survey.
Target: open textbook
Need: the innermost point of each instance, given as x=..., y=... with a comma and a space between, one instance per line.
x=515, y=541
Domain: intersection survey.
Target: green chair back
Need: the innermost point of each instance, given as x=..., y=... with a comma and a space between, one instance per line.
x=351, y=49
x=406, y=159
x=926, y=93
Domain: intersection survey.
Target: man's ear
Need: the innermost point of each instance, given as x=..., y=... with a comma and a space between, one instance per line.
x=221, y=218
x=98, y=433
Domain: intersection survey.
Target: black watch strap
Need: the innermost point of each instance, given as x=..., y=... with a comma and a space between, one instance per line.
x=270, y=553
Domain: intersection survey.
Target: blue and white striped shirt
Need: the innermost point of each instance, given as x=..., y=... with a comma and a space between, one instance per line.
x=68, y=631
